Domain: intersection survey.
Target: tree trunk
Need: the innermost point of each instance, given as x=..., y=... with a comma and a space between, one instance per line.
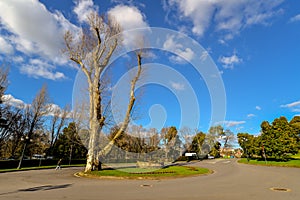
x=92, y=158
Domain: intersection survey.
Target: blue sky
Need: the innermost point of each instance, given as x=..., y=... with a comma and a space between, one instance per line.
x=254, y=44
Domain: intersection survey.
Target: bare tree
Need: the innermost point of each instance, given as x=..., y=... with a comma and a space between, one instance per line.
x=34, y=115
x=92, y=53
x=12, y=134
x=57, y=123
x=213, y=134
x=39, y=108
x=187, y=135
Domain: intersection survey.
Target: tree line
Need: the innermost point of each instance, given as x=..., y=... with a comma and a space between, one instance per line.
x=278, y=140
x=36, y=128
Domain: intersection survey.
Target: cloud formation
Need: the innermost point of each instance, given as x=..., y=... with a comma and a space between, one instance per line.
x=83, y=8
x=8, y=99
x=229, y=61
x=37, y=68
x=33, y=29
x=294, y=106
x=251, y=115
x=228, y=16
x=5, y=46
x=129, y=17
x=290, y=105
x=181, y=52
x=295, y=18
x=177, y=86
x=231, y=123
x=30, y=30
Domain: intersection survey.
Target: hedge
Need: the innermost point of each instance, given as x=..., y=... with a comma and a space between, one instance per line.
x=11, y=164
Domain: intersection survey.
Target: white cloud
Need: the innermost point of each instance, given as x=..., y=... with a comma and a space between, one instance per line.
x=37, y=68
x=204, y=55
x=34, y=30
x=257, y=107
x=177, y=86
x=181, y=51
x=290, y=105
x=295, y=18
x=129, y=17
x=8, y=99
x=54, y=109
x=200, y=12
x=251, y=115
x=294, y=106
x=229, y=16
x=18, y=59
x=230, y=61
x=231, y=123
x=83, y=8
x=5, y=46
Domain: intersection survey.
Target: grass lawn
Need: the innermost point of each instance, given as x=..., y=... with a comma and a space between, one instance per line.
x=136, y=173
x=291, y=163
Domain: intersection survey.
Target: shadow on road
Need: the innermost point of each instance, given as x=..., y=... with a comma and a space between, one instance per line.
x=40, y=188
x=44, y=187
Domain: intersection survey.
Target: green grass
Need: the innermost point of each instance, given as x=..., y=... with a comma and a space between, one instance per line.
x=38, y=168
x=291, y=163
x=136, y=173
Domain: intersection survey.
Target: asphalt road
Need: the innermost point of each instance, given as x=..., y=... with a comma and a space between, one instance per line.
x=229, y=181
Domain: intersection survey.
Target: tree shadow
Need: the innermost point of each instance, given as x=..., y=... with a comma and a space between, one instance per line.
x=44, y=187
x=39, y=188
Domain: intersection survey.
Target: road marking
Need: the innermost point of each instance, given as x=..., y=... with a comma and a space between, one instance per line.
x=212, y=162
x=226, y=162
x=77, y=175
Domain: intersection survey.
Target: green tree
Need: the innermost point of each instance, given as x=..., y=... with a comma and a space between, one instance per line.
x=197, y=142
x=215, y=151
x=295, y=123
x=249, y=144
x=279, y=139
x=69, y=145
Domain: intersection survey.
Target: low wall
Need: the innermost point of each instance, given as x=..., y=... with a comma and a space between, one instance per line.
x=141, y=164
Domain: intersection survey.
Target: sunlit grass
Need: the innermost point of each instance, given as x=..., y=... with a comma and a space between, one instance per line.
x=291, y=163
x=168, y=172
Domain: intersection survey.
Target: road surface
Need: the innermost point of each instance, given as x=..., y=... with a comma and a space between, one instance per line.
x=229, y=181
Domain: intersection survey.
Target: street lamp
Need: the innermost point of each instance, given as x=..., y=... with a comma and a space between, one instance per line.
x=27, y=140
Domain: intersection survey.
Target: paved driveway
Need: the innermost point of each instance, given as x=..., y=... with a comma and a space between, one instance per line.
x=230, y=181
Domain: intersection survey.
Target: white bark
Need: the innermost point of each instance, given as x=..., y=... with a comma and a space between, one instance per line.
x=92, y=53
